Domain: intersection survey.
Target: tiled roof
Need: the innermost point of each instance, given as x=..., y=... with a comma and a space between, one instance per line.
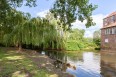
x=110, y=24
x=114, y=13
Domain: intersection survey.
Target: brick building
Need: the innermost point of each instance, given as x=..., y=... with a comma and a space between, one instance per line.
x=108, y=33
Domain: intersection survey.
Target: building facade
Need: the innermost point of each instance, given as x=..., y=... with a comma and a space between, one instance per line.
x=108, y=33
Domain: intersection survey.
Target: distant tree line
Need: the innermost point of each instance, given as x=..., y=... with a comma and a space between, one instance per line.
x=77, y=41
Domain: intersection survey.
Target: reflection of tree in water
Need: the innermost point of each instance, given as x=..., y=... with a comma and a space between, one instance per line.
x=108, y=65
x=75, y=56
x=56, y=55
x=60, y=60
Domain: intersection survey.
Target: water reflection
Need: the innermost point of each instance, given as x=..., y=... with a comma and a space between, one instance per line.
x=85, y=64
x=108, y=64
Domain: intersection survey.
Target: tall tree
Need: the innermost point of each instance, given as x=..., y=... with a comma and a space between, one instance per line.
x=22, y=29
x=6, y=7
x=69, y=10
x=16, y=34
x=61, y=34
x=7, y=13
x=96, y=37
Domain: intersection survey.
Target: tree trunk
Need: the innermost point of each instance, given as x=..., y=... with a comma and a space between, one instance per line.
x=20, y=48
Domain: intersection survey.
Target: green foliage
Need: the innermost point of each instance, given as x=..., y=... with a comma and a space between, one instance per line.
x=35, y=31
x=10, y=18
x=89, y=42
x=71, y=45
x=96, y=37
x=6, y=7
x=69, y=10
x=17, y=28
x=75, y=40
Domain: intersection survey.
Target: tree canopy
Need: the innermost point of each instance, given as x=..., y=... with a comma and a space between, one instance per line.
x=32, y=31
x=6, y=7
x=96, y=37
x=69, y=10
x=66, y=10
x=18, y=28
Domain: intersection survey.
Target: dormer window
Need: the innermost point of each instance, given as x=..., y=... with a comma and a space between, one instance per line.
x=113, y=18
x=105, y=21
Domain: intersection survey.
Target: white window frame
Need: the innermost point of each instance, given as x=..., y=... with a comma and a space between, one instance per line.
x=109, y=31
x=105, y=21
x=113, y=30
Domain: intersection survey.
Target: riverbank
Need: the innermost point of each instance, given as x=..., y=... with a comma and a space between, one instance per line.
x=80, y=51
x=29, y=63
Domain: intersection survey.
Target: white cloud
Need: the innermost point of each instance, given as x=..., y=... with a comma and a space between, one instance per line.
x=79, y=24
x=98, y=19
x=42, y=13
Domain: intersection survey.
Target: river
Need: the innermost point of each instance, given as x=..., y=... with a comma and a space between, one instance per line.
x=85, y=64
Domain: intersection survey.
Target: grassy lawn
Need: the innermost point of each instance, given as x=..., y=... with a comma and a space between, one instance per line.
x=14, y=64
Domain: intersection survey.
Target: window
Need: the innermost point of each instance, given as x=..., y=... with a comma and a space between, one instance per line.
x=105, y=21
x=106, y=40
x=108, y=31
x=105, y=31
x=113, y=18
x=113, y=30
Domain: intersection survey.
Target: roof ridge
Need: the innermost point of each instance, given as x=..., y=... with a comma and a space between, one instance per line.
x=111, y=14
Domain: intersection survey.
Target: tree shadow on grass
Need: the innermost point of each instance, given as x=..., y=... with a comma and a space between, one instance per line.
x=14, y=64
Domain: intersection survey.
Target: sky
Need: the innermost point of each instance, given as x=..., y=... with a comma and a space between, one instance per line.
x=105, y=7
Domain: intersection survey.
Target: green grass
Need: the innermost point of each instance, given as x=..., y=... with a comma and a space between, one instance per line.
x=14, y=64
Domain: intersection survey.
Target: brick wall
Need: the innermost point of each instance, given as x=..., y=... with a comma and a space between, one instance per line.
x=111, y=44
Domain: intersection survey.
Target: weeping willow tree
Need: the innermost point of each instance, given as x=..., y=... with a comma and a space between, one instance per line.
x=17, y=28
x=14, y=36
x=8, y=25
x=61, y=34
x=7, y=14
x=34, y=31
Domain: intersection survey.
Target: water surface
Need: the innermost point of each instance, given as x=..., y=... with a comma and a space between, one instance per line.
x=85, y=64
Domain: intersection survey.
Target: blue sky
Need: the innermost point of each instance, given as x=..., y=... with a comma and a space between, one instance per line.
x=105, y=7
